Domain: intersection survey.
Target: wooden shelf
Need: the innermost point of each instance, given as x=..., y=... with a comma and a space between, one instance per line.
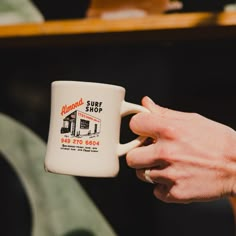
x=173, y=26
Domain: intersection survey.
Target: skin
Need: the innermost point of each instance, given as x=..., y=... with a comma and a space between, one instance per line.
x=191, y=158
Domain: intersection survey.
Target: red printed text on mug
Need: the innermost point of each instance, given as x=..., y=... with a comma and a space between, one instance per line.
x=80, y=142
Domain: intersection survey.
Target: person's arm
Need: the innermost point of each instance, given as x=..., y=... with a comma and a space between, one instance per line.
x=191, y=159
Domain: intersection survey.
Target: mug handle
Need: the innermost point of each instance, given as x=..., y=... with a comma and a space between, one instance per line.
x=128, y=108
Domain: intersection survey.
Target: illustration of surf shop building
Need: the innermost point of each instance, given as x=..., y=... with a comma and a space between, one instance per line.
x=80, y=124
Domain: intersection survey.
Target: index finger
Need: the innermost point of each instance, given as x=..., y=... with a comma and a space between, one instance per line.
x=162, y=111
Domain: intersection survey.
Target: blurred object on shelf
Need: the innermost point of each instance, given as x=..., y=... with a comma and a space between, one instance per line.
x=174, y=5
x=230, y=7
x=130, y=8
x=19, y=11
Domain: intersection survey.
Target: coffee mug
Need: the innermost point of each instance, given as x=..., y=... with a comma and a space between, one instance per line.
x=84, y=129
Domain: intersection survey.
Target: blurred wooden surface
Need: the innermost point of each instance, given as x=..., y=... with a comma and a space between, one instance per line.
x=174, y=26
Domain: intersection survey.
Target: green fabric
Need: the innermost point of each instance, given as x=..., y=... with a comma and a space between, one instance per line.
x=19, y=11
x=60, y=206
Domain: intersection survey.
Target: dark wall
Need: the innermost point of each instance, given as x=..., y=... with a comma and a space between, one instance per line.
x=197, y=76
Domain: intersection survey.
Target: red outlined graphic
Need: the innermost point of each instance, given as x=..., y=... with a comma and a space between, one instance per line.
x=79, y=124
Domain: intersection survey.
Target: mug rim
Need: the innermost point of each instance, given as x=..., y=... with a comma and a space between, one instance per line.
x=63, y=82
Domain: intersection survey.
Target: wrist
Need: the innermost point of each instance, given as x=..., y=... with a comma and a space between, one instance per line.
x=230, y=156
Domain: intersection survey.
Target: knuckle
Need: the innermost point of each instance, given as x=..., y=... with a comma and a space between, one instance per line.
x=179, y=195
x=196, y=116
x=164, y=153
x=164, y=111
x=170, y=131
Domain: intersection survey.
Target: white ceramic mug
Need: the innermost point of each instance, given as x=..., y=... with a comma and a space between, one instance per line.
x=84, y=132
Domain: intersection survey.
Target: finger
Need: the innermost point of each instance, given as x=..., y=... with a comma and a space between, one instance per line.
x=142, y=175
x=151, y=156
x=162, y=111
x=142, y=157
x=150, y=104
x=165, y=174
x=162, y=189
x=150, y=125
x=162, y=192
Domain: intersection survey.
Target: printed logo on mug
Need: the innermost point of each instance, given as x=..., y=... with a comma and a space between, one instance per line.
x=84, y=132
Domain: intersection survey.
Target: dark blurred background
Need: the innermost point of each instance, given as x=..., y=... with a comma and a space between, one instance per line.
x=196, y=76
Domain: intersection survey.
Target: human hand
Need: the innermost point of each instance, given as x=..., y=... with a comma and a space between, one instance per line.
x=191, y=159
